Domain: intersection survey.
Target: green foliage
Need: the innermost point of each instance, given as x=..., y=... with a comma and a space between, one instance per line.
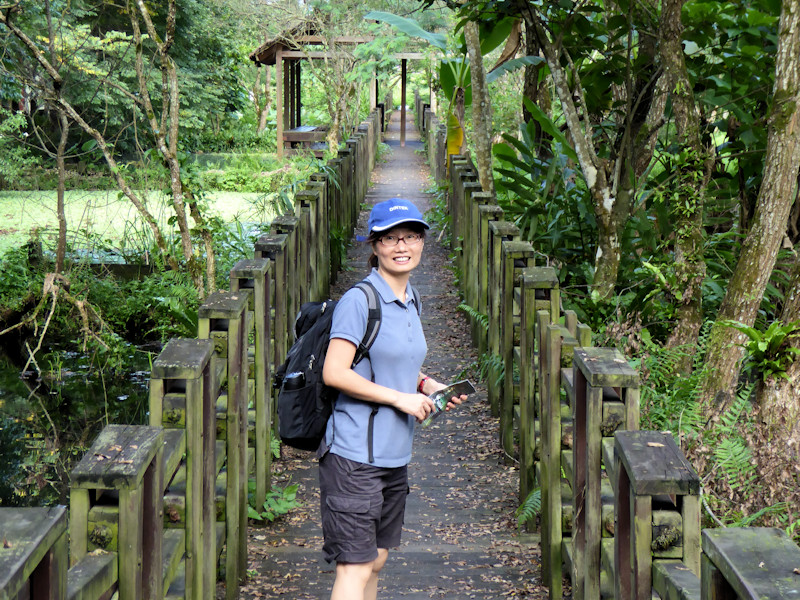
x=475, y=315
x=669, y=397
x=15, y=156
x=730, y=446
x=278, y=503
x=530, y=508
x=770, y=352
x=546, y=199
x=491, y=367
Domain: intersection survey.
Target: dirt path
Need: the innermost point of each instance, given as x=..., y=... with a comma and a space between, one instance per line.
x=460, y=538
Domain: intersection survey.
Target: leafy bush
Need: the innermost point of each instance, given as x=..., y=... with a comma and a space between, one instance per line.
x=770, y=352
x=278, y=503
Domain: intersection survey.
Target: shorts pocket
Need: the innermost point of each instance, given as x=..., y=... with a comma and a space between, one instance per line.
x=347, y=518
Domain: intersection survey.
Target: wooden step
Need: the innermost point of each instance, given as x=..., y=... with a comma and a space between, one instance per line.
x=173, y=551
x=92, y=576
x=174, y=449
x=177, y=589
x=672, y=580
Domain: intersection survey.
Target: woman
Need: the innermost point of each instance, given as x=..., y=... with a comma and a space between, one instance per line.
x=363, y=500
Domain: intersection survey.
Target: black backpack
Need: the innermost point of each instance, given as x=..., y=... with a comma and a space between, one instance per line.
x=304, y=402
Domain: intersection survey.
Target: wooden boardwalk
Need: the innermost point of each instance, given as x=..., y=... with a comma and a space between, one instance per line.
x=460, y=538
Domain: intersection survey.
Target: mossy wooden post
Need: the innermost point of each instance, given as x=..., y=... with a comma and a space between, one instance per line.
x=255, y=275
x=461, y=172
x=750, y=563
x=320, y=183
x=473, y=288
x=288, y=225
x=499, y=232
x=346, y=185
x=182, y=390
x=457, y=166
x=527, y=380
x=306, y=202
x=223, y=318
x=468, y=243
x=488, y=214
x=336, y=215
x=516, y=256
x=127, y=459
x=273, y=248
x=649, y=464
x=549, y=370
x=606, y=398
x=33, y=556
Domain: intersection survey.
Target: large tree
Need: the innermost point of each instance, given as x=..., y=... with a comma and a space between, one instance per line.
x=769, y=225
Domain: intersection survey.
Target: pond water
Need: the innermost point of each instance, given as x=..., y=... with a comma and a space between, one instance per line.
x=48, y=422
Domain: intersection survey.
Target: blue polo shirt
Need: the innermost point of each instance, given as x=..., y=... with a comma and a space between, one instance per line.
x=396, y=358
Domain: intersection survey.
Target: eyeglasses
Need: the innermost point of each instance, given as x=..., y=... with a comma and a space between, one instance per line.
x=412, y=239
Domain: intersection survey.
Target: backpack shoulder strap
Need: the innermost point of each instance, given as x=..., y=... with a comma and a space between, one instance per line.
x=373, y=319
x=416, y=300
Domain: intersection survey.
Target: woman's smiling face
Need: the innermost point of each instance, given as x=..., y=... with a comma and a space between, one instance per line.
x=402, y=257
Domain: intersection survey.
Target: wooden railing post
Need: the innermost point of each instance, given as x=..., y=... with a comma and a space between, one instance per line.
x=516, y=256
x=527, y=382
x=182, y=391
x=33, y=562
x=471, y=286
x=549, y=375
x=500, y=231
x=288, y=225
x=649, y=464
x=606, y=398
x=255, y=275
x=488, y=214
x=349, y=204
x=223, y=319
x=461, y=173
x=127, y=459
x=306, y=202
x=320, y=183
x=273, y=248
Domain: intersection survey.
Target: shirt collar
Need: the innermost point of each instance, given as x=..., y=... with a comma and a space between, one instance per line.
x=386, y=293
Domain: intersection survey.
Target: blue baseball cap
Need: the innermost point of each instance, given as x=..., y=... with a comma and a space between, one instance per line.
x=392, y=212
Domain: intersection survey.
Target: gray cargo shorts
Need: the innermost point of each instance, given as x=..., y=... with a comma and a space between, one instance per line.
x=362, y=508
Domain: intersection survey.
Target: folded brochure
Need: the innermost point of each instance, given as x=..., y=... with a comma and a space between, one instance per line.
x=442, y=397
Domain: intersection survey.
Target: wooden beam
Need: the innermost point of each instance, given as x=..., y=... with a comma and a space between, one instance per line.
x=403, y=69
x=342, y=39
x=279, y=101
x=298, y=89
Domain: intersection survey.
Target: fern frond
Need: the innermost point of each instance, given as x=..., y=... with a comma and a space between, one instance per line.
x=475, y=315
x=734, y=457
x=531, y=507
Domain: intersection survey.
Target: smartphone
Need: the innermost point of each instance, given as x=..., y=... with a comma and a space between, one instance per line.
x=442, y=397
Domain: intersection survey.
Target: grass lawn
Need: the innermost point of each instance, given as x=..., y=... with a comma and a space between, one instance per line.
x=101, y=215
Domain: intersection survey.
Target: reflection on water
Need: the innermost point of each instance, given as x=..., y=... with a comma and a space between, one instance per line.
x=47, y=422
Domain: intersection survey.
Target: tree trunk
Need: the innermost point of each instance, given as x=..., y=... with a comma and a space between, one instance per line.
x=262, y=108
x=687, y=201
x=481, y=108
x=61, y=244
x=537, y=92
x=775, y=197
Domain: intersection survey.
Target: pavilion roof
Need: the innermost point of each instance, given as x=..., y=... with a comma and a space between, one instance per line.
x=302, y=34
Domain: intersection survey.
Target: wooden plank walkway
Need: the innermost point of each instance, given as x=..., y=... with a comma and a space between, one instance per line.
x=460, y=538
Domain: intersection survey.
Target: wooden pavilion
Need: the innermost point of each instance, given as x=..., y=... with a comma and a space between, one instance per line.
x=287, y=52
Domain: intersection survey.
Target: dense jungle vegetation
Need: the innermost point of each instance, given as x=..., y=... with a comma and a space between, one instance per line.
x=649, y=149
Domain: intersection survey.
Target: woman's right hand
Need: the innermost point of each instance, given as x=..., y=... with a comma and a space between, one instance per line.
x=418, y=406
